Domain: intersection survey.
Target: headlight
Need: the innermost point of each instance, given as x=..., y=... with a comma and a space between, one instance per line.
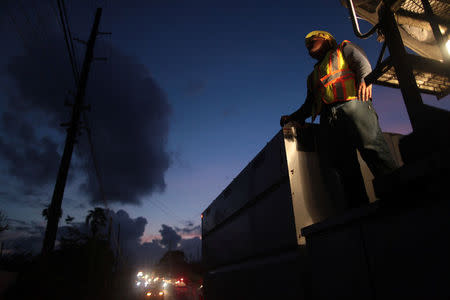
x=161, y=293
x=149, y=294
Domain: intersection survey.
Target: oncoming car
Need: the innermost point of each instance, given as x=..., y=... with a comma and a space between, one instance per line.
x=154, y=294
x=155, y=291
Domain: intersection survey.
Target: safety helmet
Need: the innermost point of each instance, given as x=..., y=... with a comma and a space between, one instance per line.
x=323, y=34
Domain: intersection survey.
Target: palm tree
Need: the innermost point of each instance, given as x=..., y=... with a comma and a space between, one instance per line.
x=45, y=213
x=95, y=219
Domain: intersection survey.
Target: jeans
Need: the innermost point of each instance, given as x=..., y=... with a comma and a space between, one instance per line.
x=345, y=127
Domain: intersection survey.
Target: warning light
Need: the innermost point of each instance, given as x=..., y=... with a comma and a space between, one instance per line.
x=201, y=216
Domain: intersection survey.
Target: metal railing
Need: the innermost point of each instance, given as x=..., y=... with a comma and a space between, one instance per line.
x=356, y=30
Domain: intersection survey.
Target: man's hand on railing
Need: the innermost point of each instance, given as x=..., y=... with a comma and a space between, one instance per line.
x=364, y=91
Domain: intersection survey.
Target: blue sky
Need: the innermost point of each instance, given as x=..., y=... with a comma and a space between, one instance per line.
x=229, y=70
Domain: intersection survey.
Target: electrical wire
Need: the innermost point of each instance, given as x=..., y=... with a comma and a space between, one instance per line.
x=69, y=42
x=94, y=160
x=55, y=12
x=70, y=37
x=66, y=38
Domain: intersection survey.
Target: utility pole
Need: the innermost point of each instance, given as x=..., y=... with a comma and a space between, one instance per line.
x=54, y=210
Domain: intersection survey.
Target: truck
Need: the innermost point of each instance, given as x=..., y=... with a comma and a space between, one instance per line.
x=274, y=232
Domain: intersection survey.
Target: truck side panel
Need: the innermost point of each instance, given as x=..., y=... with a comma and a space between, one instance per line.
x=281, y=276
x=264, y=227
x=253, y=228
x=268, y=168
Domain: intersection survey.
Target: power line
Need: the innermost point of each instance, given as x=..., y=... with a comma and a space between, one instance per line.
x=67, y=40
x=55, y=12
x=94, y=160
x=166, y=210
x=55, y=206
x=70, y=35
x=156, y=203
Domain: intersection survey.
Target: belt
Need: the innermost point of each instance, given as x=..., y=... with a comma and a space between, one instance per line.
x=338, y=104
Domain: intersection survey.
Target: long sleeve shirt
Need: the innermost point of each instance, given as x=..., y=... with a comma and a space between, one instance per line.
x=358, y=63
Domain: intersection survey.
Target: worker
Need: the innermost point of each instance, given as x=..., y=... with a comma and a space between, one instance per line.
x=337, y=91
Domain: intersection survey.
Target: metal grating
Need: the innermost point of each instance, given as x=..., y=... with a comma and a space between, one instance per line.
x=414, y=6
x=441, y=8
x=436, y=84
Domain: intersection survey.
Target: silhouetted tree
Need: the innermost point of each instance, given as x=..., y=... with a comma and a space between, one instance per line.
x=95, y=219
x=45, y=213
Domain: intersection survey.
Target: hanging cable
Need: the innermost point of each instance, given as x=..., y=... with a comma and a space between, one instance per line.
x=66, y=38
x=70, y=37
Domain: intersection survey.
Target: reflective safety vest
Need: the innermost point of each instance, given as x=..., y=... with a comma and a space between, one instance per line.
x=332, y=80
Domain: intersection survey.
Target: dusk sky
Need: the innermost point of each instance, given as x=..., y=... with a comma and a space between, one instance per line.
x=191, y=92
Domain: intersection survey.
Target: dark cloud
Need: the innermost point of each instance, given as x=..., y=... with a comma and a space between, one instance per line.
x=16, y=222
x=81, y=206
x=131, y=230
x=34, y=164
x=189, y=223
x=192, y=248
x=28, y=229
x=30, y=159
x=149, y=253
x=170, y=238
x=23, y=237
x=28, y=236
x=130, y=120
x=190, y=229
x=178, y=160
x=129, y=124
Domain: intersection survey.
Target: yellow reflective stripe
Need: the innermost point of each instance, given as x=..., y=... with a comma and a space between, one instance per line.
x=329, y=79
x=332, y=80
x=350, y=86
